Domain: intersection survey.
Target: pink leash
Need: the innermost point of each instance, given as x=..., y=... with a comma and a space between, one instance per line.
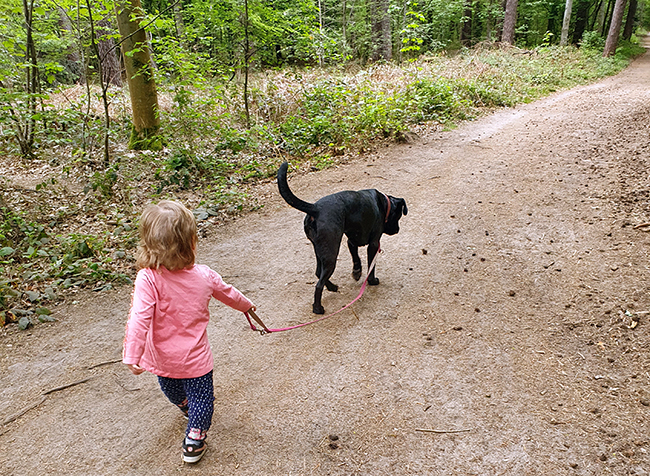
x=266, y=330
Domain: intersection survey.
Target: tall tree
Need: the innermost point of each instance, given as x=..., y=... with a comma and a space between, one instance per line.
x=466, y=26
x=381, y=34
x=614, y=28
x=566, y=22
x=26, y=130
x=110, y=64
x=139, y=75
x=509, y=22
x=629, y=21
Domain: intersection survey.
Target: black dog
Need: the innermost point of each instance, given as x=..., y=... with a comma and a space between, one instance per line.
x=363, y=216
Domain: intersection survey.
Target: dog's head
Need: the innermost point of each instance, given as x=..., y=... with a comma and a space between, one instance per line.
x=397, y=209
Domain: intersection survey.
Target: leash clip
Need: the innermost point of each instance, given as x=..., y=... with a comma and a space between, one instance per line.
x=264, y=329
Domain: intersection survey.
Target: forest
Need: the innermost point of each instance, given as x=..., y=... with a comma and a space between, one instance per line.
x=105, y=106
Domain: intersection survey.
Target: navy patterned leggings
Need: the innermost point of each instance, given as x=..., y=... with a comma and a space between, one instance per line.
x=195, y=394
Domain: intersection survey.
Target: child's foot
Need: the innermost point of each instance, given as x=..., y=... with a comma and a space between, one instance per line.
x=193, y=452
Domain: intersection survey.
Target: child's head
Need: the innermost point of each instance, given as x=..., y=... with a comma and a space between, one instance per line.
x=167, y=237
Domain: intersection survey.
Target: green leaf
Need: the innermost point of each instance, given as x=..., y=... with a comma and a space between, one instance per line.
x=6, y=251
x=43, y=311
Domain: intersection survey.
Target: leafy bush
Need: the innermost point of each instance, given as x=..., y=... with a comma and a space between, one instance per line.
x=593, y=41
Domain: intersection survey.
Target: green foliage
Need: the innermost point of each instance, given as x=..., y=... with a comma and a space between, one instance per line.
x=30, y=253
x=592, y=40
x=438, y=100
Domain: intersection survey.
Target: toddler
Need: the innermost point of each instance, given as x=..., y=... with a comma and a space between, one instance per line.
x=166, y=331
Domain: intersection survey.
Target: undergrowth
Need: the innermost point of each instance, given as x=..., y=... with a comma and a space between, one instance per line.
x=56, y=237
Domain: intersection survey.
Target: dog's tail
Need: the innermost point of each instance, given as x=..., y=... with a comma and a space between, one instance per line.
x=288, y=195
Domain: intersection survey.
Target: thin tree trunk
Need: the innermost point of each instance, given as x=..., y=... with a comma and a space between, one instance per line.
x=615, y=28
x=607, y=16
x=74, y=62
x=104, y=86
x=110, y=64
x=566, y=22
x=629, y=21
x=600, y=18
x=509, y=22
x=139, y=74
x=246, y=59
x=25, y=132
x=381, y=34
x=466, y=29
x=180, y=23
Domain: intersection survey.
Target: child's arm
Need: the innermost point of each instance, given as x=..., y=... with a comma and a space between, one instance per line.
x=137, y=327
x=229, y=295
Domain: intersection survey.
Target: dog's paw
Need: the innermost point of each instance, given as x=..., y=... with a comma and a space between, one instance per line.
x=318, y=309
x=373, y=281
x=356, y=274
x=331, y=287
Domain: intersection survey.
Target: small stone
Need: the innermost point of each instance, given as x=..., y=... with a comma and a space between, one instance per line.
x=201, y=214
x=573, y=465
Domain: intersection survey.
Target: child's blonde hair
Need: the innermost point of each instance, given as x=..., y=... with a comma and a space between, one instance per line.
x=168, y=237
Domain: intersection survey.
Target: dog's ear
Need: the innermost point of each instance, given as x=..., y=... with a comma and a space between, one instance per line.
x=403, y=203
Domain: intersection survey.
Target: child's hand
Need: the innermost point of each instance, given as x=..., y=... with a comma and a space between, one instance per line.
x=253, y=308
x=135, y=369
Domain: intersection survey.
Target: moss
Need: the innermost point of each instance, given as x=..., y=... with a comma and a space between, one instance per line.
x=148, y=139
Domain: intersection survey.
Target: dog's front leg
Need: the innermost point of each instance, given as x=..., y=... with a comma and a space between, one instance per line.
x=356, y=261
x=373, y=248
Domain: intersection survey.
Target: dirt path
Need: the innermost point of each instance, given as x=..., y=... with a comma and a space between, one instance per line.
x=512, y=316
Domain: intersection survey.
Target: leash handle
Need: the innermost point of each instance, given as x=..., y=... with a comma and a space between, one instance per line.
x=264, y=329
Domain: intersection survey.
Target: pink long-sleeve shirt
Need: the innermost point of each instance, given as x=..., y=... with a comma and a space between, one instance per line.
x=166, y=331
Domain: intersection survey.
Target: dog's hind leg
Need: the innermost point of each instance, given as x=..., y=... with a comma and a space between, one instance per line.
x=356, y=261
x=326, y=269
x=328, y=284
x=326, y=263
x=373, y=248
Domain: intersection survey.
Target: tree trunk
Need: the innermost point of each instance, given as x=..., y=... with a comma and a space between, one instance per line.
x=180, y=23
x=139, y=75
x=509, y=22
x=466, y=30
x=599, y=19
x=247, y=54
x=73, y=63
x=25, y=132
x=614, y=28
x=111, y=69
x=566, y=22
x=381, y=34
x=607, y=16
x=629, y=21
x=582, y=11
